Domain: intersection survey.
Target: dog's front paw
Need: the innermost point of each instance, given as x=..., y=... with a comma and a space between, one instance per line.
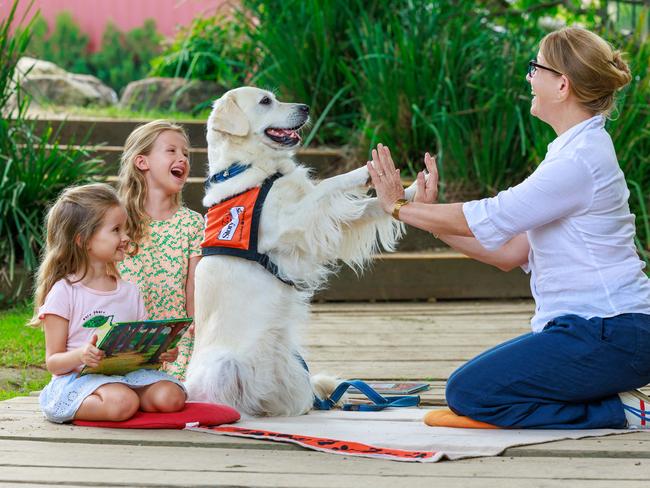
x=409, y=193
x=359, y=177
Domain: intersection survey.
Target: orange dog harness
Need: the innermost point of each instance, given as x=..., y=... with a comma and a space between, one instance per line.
x=232, y=227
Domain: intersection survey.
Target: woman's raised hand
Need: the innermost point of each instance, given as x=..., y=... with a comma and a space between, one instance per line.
x=427, y=185
x=385, y=178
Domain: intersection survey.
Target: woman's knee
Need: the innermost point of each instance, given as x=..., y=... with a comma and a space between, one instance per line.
x=462, y=395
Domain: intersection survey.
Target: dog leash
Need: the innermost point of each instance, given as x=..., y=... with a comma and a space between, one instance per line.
x=379, y=402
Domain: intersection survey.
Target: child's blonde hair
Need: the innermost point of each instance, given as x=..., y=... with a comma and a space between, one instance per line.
x=132, y=186
x=70, y=224
x=595, y=69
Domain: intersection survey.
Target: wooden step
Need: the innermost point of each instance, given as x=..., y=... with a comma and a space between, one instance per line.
x=439, y=274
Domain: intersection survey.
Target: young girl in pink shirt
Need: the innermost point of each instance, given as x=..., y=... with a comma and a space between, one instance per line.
x=78, y=280
x=166, y=236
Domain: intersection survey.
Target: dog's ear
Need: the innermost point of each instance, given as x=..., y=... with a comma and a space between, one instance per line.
x=229, y=118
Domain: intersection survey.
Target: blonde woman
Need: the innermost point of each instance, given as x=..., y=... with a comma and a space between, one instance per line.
x=78, y=281
x=165, y=235
x=568, y=225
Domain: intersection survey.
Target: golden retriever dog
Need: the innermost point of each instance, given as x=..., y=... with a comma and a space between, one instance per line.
x=250, y=316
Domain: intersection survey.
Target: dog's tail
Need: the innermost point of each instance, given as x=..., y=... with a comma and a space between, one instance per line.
x=219, y=377
x=249, y=383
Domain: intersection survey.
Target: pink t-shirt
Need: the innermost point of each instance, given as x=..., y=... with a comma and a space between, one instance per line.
x=79, y=304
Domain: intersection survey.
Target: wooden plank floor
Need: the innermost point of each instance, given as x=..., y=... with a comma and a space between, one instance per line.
x=415, y=341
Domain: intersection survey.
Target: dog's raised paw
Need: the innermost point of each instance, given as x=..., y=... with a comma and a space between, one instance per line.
x=360, y=177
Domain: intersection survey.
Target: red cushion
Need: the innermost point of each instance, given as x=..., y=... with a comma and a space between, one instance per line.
x=193, y=413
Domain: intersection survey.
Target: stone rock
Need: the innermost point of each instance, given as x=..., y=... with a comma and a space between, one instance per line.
x=27, y=66
x=47, y=83
x=176, y=94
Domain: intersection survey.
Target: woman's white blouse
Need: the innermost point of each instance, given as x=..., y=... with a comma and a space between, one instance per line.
x=574, y=210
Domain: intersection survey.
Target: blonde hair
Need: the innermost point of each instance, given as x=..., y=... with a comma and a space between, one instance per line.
x=132, y=186
x=70, y=224
x=596, y=71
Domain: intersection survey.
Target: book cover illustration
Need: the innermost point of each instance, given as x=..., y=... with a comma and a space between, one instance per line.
x=129, y=346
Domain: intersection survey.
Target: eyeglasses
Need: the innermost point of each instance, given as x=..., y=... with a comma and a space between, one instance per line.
x=533, y=67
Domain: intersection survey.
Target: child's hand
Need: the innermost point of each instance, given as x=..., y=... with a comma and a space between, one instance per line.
x=169, y=356
x=90, y=355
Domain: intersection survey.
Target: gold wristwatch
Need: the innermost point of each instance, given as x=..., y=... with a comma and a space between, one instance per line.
x=398, y=204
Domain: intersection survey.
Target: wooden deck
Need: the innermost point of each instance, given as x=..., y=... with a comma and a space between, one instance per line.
x=374, y=341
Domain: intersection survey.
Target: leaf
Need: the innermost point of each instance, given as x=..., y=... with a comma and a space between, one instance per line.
x=96, y=321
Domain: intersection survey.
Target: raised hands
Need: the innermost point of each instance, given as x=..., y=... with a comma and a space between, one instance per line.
x=427, y=184
x=385, y=178
x=387, y=182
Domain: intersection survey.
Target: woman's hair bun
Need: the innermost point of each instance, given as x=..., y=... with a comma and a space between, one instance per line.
x=625, y=75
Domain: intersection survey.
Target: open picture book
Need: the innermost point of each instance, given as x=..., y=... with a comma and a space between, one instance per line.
x=130, y=346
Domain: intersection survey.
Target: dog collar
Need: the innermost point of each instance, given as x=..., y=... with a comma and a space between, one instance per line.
x=233, y=170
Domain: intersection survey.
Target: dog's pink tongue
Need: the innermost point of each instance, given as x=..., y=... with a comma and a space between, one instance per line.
x=284, y=133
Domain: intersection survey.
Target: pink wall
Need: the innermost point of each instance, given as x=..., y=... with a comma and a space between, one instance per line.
x=92, y=15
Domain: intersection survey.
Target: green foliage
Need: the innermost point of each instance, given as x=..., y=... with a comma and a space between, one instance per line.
x=22, y=355
x=66, y=46
x=631, y=130
x=21, y=346
x=304, y=49
x=11, y=49
x=443, y=76
x=213, y=48
x=118, y=112
x=125, y=57
x=37, y=46
x=437, y=66
x=34, y=168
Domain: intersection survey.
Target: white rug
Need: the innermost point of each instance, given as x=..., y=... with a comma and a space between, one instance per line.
x=396, y=434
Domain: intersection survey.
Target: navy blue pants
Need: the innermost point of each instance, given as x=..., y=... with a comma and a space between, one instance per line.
x=565, y=377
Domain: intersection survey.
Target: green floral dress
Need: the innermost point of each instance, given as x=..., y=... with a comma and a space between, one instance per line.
x=160, y=270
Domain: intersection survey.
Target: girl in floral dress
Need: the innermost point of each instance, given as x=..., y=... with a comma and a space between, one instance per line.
x=165, y=235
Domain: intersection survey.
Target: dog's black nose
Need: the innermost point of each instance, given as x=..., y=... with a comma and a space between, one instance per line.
x=304, y=108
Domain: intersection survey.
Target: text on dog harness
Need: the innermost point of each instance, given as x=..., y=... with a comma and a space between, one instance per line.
x=232, y=227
